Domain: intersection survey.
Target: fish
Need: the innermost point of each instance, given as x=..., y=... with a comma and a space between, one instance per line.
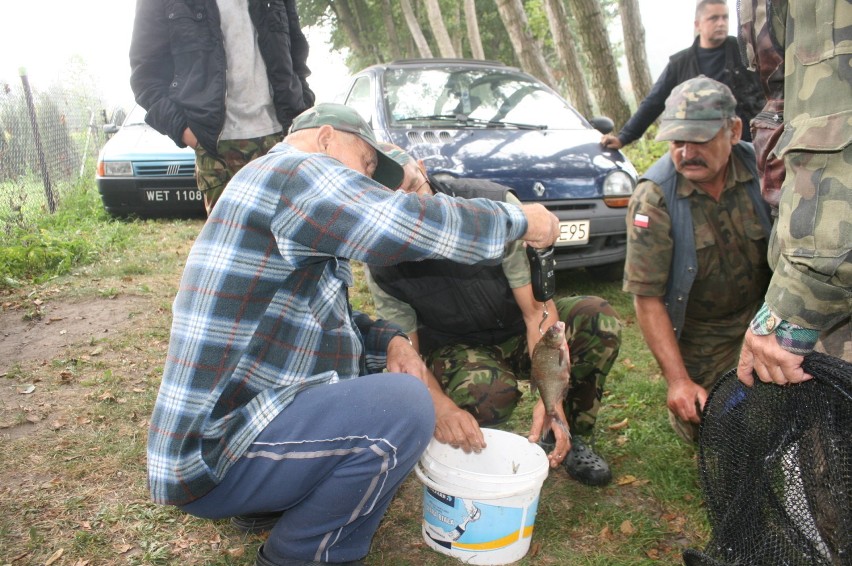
x=551, y=370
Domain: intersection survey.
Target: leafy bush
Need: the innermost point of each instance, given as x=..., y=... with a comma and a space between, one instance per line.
x=53, y=244
x=645, y=151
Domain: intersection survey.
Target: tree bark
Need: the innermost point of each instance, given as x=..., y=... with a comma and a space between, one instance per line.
x=414, y=28
x=393, y=38
x=346, y=20
x=526, y=47
x=578, y=90
x=595, y=41
x=439, y=30
x=634, y=48
x=472, y=24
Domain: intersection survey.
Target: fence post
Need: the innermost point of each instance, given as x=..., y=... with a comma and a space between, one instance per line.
x=45, y=175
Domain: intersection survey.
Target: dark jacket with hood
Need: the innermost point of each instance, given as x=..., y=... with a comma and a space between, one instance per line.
x=178, y=65
x=683, y=66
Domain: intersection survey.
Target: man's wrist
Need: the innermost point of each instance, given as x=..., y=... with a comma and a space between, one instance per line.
x=792, y=337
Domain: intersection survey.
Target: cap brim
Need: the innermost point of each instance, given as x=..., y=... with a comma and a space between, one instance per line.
x=696, y=131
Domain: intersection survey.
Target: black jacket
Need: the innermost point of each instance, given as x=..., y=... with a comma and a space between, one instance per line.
x=177, y=61
x=456, y=303
x=683, y=66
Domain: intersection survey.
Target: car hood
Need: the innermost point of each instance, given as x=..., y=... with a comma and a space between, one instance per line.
x=143, y=143
x=537, y=164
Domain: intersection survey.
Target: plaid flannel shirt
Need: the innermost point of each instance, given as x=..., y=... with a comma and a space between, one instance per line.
x=262, y=311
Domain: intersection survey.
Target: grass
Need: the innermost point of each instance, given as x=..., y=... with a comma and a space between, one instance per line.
x=72, y=464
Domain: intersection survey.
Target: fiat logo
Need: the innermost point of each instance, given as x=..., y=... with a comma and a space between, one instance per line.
x=538, y=189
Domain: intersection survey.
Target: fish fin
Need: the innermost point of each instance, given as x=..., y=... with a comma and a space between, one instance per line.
x=562, y=424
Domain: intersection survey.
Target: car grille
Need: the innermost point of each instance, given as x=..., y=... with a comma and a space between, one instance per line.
x=163, y=169
x=429, y=136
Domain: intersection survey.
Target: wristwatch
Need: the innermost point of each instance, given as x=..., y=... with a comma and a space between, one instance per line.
x=791, y=337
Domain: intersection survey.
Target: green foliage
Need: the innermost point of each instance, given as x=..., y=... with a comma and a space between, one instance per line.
x=53, y=244
x=645, y=151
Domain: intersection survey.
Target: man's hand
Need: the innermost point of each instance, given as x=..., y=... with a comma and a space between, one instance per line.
x=541, y=422
x=610, y=141
x=403, y=358
x=456, y=427
x=189, y=138
x=686, y=399
x=542, y=226
x=771, y=362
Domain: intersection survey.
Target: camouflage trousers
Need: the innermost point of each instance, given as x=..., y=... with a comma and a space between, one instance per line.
x=212, y=172
x=483, y=380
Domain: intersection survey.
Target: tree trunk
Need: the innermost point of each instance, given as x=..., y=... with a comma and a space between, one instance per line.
x=472, y=24
x=456, y=26
x=439, y=30
x=346, y=20
x=605, y=84
x=578, y=91
x=359, y=9
x=526, y=47
x=414, y=28
x=393, y=39
x=634, y=48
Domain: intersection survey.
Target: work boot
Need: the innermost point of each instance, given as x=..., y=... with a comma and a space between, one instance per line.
x=263, y=560
x=255, y=523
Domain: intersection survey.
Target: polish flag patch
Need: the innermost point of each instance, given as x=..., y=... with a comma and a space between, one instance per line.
x=640, y=221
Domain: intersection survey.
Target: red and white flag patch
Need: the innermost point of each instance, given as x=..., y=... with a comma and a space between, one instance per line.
x=640, y=220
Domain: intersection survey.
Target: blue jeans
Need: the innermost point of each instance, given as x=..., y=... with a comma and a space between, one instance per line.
x=331, y=461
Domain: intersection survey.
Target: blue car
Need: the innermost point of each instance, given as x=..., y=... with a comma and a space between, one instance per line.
x=141, y=172
x=486, y=120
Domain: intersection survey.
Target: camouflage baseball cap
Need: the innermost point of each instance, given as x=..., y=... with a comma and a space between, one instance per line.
x=345, y=119
x=396, y=153
x=696, y=110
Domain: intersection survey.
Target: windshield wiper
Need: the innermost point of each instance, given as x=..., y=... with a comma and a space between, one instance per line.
x=467, y=120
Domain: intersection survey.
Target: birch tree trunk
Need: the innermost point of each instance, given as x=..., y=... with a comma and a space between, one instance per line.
x=472, y=24
x=634, y=48
x=414, y=28
x=346, y=20
x=393, y=38
x=526, y=47
x=595, y=41
x=439, y=30
x=578, y=90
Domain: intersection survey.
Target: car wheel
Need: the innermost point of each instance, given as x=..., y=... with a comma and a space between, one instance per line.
x=607, y=272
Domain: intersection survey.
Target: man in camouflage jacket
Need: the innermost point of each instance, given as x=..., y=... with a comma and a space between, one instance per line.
x=811, y=288
x=697, y=231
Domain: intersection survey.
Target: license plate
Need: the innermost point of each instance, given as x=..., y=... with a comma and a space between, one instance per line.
x=171, y=196
x=573, y=232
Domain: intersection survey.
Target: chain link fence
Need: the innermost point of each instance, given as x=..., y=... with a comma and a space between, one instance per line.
x=49, y=139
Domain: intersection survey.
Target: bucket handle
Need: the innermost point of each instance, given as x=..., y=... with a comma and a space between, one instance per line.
x=428, y=482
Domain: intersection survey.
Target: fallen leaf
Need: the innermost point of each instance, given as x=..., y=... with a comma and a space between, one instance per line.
x=63, y=332
x=96, y=352
x=653, y=554
x=621, y=440
x=107, y=396
x=57, y=424
x=55, y=556
x=627, y=528
x=535, y=548
x=26, y=389
x=236, y=552
x=33, y=419
x=626, y=479
x=605, y=534
x=123, y=548
x=66, y=377
x=619, y=425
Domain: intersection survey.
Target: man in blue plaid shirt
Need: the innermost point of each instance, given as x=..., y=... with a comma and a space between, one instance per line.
x=259, y=412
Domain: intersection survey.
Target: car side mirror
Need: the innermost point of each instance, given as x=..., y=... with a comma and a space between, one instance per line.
x=602, y=124
x=110, y=129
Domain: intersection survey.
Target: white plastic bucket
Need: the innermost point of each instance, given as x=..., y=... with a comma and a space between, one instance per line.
x=480, y=508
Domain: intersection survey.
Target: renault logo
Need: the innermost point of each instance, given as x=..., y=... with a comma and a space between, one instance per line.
x=538, y=189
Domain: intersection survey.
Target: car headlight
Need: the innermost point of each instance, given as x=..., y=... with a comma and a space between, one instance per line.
x=117, y=169
x=617, y=188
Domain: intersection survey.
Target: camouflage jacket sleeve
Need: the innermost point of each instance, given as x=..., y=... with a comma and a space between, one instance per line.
x=649, y=242
x=812, y=245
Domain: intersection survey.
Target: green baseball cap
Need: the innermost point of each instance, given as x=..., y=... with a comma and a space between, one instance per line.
x=696, y=110
x=345, y=119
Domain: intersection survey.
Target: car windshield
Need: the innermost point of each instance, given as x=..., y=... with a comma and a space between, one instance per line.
x=136, y=116
x=474, y=97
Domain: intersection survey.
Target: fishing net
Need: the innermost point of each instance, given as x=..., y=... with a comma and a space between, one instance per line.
x=776, y=470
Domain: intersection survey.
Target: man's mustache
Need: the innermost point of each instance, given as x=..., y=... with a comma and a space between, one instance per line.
x=694, y=161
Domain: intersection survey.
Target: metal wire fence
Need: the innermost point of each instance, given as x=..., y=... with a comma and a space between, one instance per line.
x=49, y=140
